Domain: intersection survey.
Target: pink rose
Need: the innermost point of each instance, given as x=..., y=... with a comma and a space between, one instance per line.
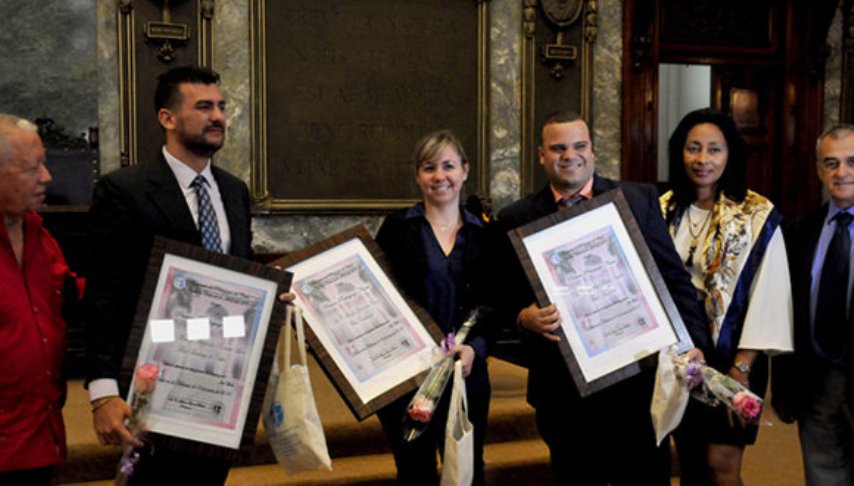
x=747, y=406
x=421, y=409
x=146, y=378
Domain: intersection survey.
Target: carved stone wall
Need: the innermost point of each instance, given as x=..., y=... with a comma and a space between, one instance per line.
x=288, y=233
x=833, y=69
x=47, y=63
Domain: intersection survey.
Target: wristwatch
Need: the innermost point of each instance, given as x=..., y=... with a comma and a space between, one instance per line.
x=742, y=366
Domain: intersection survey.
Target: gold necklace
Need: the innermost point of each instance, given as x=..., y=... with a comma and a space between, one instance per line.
x=444, y=227
x=695, y=238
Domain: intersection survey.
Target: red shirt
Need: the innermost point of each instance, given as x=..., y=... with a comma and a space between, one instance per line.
x=32, y=350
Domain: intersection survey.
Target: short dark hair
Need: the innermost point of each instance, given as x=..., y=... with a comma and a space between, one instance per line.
x=559, y=116
x=168, y=95
x=732, y=181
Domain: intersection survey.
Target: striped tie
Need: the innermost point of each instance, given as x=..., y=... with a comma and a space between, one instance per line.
x=208, y=226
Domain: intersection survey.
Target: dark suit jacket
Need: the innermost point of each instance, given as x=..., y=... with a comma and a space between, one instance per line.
x=401, y=241
x=129, y=208
x=792, y=372
x=548, y=376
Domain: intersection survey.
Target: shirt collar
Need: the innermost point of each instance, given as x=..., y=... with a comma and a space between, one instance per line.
x=586, y=192
x=184, y=173
x=833, y=210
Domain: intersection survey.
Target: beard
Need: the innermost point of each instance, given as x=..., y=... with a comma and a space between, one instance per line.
x=198, y=144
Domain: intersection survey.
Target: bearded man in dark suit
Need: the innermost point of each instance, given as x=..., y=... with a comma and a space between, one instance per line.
x=606, y=437
x=129, y=208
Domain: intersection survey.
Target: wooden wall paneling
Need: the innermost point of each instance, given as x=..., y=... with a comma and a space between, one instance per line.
x=640, y=91
x=802, y=115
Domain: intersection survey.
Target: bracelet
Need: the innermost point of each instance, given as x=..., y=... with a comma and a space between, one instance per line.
x=100, y=402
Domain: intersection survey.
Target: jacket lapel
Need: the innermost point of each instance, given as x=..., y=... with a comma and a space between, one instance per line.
x=165, y=194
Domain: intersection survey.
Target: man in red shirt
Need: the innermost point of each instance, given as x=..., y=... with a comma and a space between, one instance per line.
x=32, y=330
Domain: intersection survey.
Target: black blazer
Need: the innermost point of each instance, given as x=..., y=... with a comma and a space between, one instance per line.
x=400, y=239
x=546, y=366
x=129, y=208
x=792, y=372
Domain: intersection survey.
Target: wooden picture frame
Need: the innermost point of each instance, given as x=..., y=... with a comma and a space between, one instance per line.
x=374, y=344
x=593, y=263
x=210, y=322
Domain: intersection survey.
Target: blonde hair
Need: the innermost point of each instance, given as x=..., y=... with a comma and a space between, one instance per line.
x=431, y=144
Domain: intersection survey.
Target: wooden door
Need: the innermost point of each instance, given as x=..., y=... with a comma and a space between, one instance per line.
x=767, y=61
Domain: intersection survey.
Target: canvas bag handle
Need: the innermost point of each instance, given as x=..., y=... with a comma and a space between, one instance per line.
x=293, y=318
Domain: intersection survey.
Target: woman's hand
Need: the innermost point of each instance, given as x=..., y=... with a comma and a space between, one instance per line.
x=466, y=354
x=695, y=355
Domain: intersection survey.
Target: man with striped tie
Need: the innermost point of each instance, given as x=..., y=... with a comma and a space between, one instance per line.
x=180, y=196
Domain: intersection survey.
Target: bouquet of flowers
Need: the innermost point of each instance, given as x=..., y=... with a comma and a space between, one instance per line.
x=712, y=387
x=421, y=407
x=144, y=382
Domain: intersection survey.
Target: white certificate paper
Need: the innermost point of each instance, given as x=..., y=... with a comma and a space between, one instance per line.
x=217, y=321
x=601, y=290
x=361, y=320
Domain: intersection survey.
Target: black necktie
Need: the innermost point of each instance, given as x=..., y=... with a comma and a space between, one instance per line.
x=831, y=307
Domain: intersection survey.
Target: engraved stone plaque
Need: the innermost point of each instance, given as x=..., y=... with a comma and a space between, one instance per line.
x=351, y=86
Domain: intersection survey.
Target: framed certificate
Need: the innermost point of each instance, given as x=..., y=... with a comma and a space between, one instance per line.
x=592, y=262
x=210, y=323
x=373, y=343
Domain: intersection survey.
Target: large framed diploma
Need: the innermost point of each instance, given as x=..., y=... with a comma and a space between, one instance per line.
x=374, y=344
x=592, y=262
x=210, y=323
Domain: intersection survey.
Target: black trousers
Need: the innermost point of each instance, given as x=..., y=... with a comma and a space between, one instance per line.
x=27, y=477
x=162, y=466
x=416, y=460
x=605, y=438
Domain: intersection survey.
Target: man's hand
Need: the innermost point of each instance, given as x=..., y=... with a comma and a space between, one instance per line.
x=109, y=422
x=783, y=410
x=287, y=297
x=466, y=354
x=541, y=321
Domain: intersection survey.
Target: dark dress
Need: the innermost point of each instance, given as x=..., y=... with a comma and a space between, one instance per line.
x=449, y=288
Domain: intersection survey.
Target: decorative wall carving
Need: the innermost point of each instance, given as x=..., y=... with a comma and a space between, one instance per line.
x=140, y=135
x=557, y=60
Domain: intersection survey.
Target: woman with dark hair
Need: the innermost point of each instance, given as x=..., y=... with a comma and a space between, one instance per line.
x=442, y=257
x=732, y=245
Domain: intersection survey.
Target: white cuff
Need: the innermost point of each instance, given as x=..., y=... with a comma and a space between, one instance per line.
x=103, y=387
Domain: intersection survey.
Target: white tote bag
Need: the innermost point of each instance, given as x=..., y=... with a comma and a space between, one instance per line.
x=458, y=460
x=290, y=413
